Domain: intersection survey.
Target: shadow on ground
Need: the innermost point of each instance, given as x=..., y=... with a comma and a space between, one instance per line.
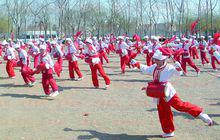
x=107, y=136
x=13, y=95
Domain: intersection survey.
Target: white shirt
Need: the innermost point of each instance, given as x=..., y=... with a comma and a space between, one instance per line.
x=35, y=50
x=164, y=76
x=47, y=60
x=58, y=50
x=23, y=56
x=92, y=52
x=10, y=53
x=73, y=51
x=123, y=46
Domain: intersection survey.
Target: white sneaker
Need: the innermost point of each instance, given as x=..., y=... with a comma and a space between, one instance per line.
x=167, y=135
x=198, y=73
x=13, y=77
x=31, y=84
x=107, y=86
x=54, y=94
x=73, y=79
x=205, y=118
x=80, y=79
x=215, y=70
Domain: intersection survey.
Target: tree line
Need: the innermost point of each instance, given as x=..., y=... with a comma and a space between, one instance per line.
x=152, y=17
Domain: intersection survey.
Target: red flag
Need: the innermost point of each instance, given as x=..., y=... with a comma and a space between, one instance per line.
x=136, y=37
x=178, y=53
x=166, y=51
x=168, y=41
x=216, y=38
x=193, y=25
x=77, y=34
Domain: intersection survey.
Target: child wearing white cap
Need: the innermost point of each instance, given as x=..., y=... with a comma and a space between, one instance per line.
x=165, y=95
x=10, y=58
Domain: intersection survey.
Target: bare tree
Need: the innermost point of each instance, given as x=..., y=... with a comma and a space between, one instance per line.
x=17, y=11
x=213, y=4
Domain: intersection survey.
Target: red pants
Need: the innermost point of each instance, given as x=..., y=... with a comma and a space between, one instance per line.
x=204, y=57
x=103, y=55
x=27, y=78
x=148, y=59
x=73, y=66
x=10, y=68
x=36, y=57
x=166, y=115
x=48, y=80
x=190, y=62
x=124, y=62
x=195, y=53
x=60, y=62
x=95, y=80
x=213, y=59
x=132, y=55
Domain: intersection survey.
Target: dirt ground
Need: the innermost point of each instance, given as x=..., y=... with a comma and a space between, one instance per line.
x=123, y=112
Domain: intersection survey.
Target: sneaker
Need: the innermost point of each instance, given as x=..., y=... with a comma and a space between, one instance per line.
x=205, y=118
x=31, y=84
x=73, y=79
x=107, y=86
x=215, y=70
x=80, y=79
x=55, y=93
x=167, y=135
x=183, y=74
x=198, y=73
x=13, y=77
x=48, y=95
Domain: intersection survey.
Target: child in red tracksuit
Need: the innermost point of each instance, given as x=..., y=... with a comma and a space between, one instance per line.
x=10, y=58
x=186, y=57
x=92, y=57
x=72, y=55
x=46, y=66
x=24, y=62
x=168, y=98
x=203, y=45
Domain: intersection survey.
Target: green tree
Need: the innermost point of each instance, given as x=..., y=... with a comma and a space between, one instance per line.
x=3, y=25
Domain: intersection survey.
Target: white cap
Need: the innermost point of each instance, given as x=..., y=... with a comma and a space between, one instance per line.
x=146, y=37
x=41, y=39
x=31, y=43
x=53, y=42
x=127, y=37
x=209, y=36
x=155, y=38
x=158, y=55
x=16, y=46
x=68, y=39
x=202, y=36
x=4, y=43
x=94, y=37
x=43, y=47
x=177, y=39
x=120, y=37
x=184, y=39
x=88, y=40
